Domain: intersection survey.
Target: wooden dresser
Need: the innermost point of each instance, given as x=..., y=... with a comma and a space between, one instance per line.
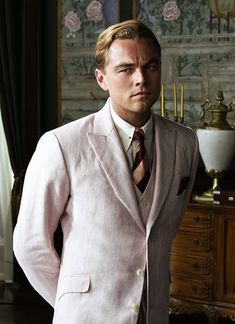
x=203, y=263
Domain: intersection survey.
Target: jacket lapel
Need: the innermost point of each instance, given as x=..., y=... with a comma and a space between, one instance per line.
x=165, y=149
x=107, y=146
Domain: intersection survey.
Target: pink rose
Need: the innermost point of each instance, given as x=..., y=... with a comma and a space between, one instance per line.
x=94, y=11
x=171, y=11
x=72, y=21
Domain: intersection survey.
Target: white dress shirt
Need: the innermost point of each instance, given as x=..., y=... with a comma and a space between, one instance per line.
x=126, y=132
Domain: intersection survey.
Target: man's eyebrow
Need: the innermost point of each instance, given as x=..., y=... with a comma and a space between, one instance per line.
x=124, y=65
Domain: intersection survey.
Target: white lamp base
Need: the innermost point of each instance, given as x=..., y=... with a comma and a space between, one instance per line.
x=217, y=148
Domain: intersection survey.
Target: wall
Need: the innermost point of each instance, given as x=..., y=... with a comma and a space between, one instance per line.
x=198, y=51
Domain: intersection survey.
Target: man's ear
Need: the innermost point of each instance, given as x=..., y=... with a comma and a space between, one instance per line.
x=100, y=78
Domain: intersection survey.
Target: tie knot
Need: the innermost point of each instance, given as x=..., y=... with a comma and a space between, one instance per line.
x=139, y=135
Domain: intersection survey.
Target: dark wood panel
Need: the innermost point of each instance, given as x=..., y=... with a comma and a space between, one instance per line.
x=192, y=265
x=191, y=241
x=203, y=262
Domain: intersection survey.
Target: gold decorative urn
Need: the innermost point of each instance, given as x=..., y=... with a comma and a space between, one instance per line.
x=216, y=143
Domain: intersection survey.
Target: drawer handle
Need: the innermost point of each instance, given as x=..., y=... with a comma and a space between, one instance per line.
x=196, y=218
x=194, y=288
x=195, y=265
x=196, y=241
x=208, y=218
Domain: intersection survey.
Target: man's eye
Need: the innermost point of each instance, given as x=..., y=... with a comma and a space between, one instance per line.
x=152, y=66
x=126, y=70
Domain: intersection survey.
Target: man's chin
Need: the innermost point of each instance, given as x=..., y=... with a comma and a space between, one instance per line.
x=142, y=107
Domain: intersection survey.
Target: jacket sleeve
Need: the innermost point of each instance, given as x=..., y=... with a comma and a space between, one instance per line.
x=194, y=165
x=194, y=154
x=45, y=194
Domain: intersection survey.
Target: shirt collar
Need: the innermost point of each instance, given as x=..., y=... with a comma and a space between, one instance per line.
x=126, y=130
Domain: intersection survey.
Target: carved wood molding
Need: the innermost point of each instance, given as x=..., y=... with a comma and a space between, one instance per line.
x=211, y=311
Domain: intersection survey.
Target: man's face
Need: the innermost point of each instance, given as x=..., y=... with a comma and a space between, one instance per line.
x=132, y=76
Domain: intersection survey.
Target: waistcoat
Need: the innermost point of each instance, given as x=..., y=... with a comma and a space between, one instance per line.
x=145, y=199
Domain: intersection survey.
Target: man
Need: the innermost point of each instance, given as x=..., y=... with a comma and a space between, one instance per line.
x=118, y=181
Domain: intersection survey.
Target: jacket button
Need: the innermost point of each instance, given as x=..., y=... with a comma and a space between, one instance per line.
x=136, y=308
x=140, y=273
x=142, y=204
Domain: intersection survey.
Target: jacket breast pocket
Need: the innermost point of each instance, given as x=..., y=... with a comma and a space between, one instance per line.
x=79, y=283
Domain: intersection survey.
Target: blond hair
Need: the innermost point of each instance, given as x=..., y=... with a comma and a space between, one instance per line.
x=129, y=29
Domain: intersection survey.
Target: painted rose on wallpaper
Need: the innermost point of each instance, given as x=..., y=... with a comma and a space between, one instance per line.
x=94, y=11
x=72, y=22
x=171, y=11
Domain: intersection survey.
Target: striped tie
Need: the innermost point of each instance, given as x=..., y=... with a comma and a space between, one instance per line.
x=140, y=170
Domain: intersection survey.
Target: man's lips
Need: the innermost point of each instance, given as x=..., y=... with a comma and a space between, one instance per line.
x=141, y=94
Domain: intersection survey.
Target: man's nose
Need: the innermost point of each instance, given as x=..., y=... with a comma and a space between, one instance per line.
x=140, y=77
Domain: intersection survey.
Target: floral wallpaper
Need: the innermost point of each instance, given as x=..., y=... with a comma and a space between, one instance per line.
x=176, y=17
x=84, y=20
x=175, y=22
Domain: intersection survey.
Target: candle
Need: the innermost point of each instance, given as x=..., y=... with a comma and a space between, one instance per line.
x=182, y=102
x=175, y=101
x=162, y=102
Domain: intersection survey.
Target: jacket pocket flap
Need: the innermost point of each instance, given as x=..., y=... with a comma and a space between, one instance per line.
x=73, y=284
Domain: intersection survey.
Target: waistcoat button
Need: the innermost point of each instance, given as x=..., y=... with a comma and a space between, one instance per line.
x=140, y=273
x=136, y=308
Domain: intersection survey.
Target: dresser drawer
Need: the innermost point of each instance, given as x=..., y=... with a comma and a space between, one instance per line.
x=197, y=219
x=190, y=241
x=187, y=288
x=191, y=265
